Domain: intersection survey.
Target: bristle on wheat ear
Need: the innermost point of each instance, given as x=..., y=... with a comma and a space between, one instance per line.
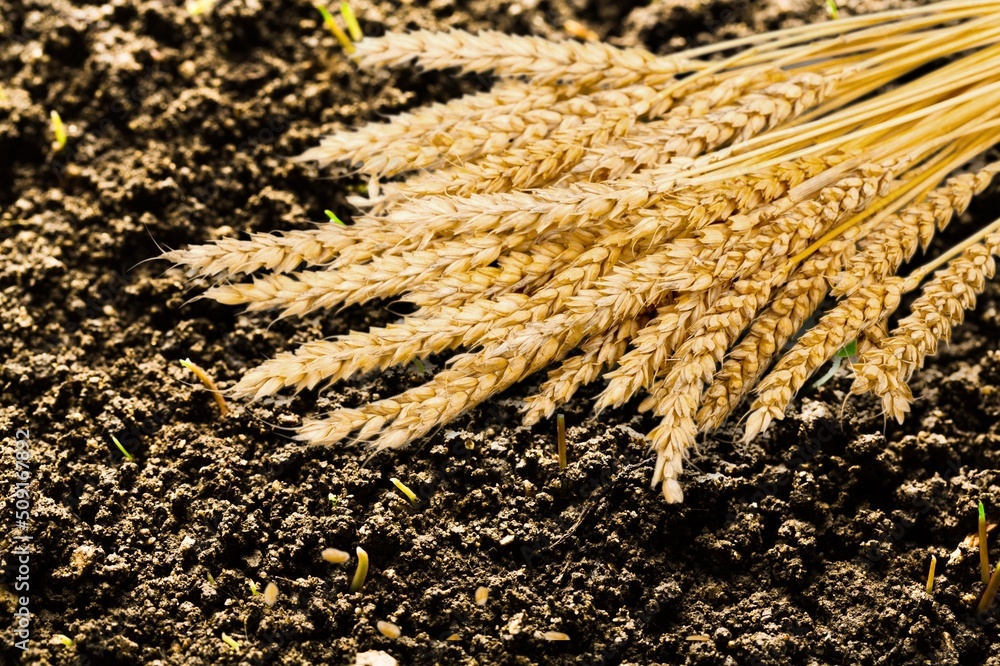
x=668, y=223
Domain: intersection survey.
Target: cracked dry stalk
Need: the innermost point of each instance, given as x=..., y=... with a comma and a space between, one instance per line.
x=667, y=223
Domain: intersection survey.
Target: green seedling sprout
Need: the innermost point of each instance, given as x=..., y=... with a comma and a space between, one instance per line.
x=333, y=218
x=361, y=572
x=121, y=448
x=58, y=130
x=403, y=488
x=230, y=641
x=209, y=384
x=847, y=351
x=334, y=500
x=211, y=579
x=331, y=25
x=832, y=10
x=253, y=588
x=351, y=21
x=64, y=639
x=419, y=365
x=984, y=553
x=930, y=575
x=991, y=592
x=561, y=439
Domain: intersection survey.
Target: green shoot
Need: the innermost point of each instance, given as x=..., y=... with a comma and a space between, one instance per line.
x=209, y=384
x=121, y=448
x=561, y=439
x=230, y=641
x=333, y=218
x=334, y=500
x=991, y=592
x=930, y=575
x=847, y=351
x=420, y=367
x=211, y=579
x=410, y=495
x=64, y=639
x=984, y=553
x=58, y=130
x=351, y=21
x=253, y=588
x=331, y=25
x=831, y=9
x=361, y=573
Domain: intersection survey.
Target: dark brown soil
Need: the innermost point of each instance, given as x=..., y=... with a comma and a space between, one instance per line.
x=808, y=546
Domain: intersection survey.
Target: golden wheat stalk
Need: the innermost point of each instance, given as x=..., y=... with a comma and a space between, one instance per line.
x=667, y=223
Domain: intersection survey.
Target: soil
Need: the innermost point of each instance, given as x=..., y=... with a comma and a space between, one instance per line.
x=809, y=545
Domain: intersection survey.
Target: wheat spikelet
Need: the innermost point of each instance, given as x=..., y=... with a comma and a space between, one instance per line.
x=666, y=223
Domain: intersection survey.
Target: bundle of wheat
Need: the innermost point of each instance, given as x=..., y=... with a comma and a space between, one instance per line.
x=667, y=223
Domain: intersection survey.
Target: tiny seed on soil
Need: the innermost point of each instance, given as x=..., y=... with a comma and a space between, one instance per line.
x=388, y=629
x=270, y=594
x=482, y=594
x=334, y=556
x=555, y=636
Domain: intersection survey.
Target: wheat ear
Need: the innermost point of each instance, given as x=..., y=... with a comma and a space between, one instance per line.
x=868, y=306
x=541, y=61
x=886, y=368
